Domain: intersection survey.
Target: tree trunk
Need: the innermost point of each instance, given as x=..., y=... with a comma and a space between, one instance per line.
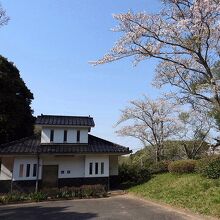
x=158, y=156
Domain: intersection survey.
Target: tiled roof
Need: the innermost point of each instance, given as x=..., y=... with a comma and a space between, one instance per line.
x=26, y=145
x=65, y=120
x=32, y=145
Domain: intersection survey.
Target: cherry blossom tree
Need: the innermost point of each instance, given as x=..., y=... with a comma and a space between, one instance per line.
x=150, y=121
x=3, y=17
x=194, y=133
x=184, y=36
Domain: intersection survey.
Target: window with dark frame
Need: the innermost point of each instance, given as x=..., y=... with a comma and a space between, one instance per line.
x=28, y=170
x=90, y=168
x=102, y=167
x=62, y=172
x=78, y=136
x=96, y=168
x=35, y=170
x=68, y=171
x=51, y=135
x=65, y=136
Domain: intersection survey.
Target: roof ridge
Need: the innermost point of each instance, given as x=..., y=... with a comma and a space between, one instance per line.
x=73, y=116
x=65, y=120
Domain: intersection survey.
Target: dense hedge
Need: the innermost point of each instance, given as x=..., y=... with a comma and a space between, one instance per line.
x=160, y=167
x=132, y=175
x=182, y=166
x=87, y=191
x=209, y=167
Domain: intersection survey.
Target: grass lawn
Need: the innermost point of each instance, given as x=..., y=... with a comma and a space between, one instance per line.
x=189, y=191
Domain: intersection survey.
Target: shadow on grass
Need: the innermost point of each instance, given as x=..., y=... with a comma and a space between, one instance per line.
x=43, y=213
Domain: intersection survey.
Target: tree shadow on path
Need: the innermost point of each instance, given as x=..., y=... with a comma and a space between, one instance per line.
x=43, y=213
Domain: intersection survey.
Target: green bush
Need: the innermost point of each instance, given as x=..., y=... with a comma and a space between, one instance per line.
x=132, y=175
x=37, y=196
x=160, y=167
x=209, y=167
x=85, y=191
x=50, y=192
x=12, y=197
x=182, y=166
x=93, y=191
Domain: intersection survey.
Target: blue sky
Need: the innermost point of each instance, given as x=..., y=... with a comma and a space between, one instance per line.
x=51, y=42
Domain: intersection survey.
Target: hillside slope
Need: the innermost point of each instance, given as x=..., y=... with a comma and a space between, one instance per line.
x=189, y=191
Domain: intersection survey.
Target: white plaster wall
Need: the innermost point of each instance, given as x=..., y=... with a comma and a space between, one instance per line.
x=45, y=135
x=97, y=158
x=59, y=133
x=6, y=168
x=71, y=135
x=84, y=135
x=75, y=164
x=113, y=165
x=5, y=173
x=25, y=161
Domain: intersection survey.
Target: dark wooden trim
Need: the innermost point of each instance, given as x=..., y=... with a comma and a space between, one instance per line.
x=30, y=185
x=114, y=182
x=62, y=182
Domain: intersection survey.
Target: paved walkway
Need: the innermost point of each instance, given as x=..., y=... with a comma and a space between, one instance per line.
x=116, y=207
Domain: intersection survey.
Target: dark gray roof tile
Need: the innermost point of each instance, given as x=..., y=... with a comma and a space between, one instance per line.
x=65, y=120
x=32, y=145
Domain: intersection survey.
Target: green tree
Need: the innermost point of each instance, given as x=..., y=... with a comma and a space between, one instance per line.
x=16, y=120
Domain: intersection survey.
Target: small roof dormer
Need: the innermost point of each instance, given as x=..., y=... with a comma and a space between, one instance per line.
x=60, y=120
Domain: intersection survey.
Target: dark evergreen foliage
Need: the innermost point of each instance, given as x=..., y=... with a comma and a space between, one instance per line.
x=209, y=167
x=131, y=175
x=16, y=120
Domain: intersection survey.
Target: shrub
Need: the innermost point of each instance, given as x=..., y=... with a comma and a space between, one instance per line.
x=50, y=192
x=160, y=167
x=14, y=197
x=209, y=167
x=131, y=175
x=182, y=166
x=93, y=191
x=37, y=196
x=86, y=191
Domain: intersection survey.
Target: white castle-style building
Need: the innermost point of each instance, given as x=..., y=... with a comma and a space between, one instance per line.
x=62, y=153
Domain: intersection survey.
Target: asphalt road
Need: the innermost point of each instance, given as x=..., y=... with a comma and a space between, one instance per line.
x=117, y=207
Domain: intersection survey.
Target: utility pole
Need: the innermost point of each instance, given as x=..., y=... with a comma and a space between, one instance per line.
x=11, y=187
x=37, y=176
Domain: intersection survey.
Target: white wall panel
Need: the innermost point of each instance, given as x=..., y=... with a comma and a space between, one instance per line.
x=59, y=133
x=25, y=161
x=97, y=159
x=74, y=164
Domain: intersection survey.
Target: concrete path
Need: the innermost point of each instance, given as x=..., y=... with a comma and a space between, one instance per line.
x=116, y=207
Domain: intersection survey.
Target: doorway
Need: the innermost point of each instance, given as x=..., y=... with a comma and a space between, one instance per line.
x=50, y=176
